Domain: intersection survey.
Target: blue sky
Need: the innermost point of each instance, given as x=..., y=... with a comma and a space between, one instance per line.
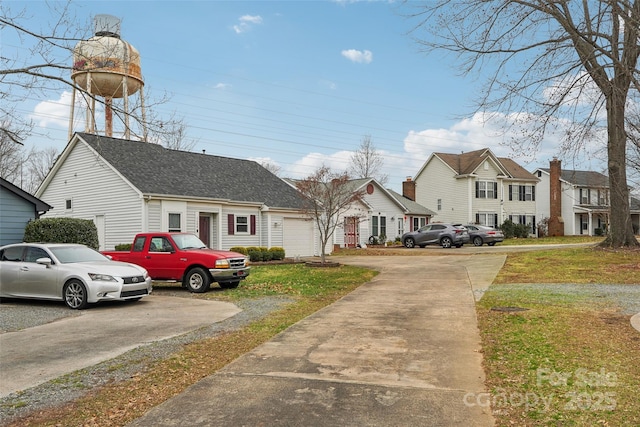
x=295, y=83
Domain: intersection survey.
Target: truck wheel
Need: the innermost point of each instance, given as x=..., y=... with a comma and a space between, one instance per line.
x=229, y=285
x=197, y=280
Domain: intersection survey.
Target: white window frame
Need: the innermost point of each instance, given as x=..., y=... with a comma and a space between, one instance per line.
x=487, y=191
x=172, y=215
x=242, y=224
x=487, y=218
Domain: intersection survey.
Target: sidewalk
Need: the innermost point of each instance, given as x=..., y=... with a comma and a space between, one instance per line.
x=401, y=350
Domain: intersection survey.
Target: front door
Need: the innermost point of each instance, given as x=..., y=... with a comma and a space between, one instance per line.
x=204, y=228
x=351, y=234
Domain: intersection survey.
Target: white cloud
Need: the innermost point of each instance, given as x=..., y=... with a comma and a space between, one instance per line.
x=222, y=86
x=306, y=166
x=358, y=56
x=53, y=112
x=509, y=136
x=246, y=22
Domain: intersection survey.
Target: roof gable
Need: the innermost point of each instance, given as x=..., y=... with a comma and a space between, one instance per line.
x=40, y=206
x=468, y=163
x=156, y=170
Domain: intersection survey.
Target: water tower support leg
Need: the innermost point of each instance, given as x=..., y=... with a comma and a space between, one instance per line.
x=108, y=116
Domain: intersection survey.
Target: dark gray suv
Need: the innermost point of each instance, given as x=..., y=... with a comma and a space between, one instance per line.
x=445, y=235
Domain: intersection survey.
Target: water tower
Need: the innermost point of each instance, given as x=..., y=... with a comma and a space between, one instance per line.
x=105, y=66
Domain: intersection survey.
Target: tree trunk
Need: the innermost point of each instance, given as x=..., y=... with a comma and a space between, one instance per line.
x=620, y=230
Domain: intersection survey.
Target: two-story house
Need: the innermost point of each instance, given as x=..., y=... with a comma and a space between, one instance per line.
x=576, y=202
x=477, y=187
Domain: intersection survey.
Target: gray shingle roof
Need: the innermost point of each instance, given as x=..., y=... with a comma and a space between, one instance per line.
x=154, y=169
x=583, y=178
x=412, y=207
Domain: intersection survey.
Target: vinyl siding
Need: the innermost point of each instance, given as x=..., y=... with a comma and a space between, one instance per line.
x=518, y=207
x=77, y=179
x=484, y=205
x=154, y=216
x=438, y=181
x=240, y=239
x=16, y=213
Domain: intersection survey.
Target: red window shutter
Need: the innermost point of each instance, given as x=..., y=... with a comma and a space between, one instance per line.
x=253, y=224
x=231, y=227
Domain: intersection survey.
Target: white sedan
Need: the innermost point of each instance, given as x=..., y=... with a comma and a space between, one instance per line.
x=73, y=273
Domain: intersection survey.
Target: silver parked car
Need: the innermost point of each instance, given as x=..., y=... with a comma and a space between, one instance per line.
x=445, y=235
x=73, y=273
x=481, y=234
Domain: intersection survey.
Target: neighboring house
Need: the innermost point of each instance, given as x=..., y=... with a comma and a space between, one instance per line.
x=127, y=187
x=17, y=208
x=576, y=202
x=477, y=187
x=381, y=215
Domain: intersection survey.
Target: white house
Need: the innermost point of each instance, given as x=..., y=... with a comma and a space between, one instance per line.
x=477, y=187
x=127, y=187
x=576, y=202
x=379, y=216
x=383, y=215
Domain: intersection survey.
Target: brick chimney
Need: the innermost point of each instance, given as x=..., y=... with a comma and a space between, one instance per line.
x=556, y=223
x=409, y=189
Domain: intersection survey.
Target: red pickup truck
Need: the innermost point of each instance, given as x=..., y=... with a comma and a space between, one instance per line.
x=184, y=258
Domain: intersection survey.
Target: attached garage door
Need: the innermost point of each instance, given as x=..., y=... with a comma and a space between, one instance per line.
x=298, y=237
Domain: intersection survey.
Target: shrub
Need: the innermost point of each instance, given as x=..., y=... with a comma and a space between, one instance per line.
x=507, y=228
x=62, y=230
x=240, y=249
x=266, y=255
x=511, y=230
x=277, y=253
x=255, y=254
x=521, y=231
x=123, y=247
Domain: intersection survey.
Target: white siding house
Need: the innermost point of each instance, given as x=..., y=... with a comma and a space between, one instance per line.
x=478, y=188
x=382, y=216
x=583, y=205
x=127, y=187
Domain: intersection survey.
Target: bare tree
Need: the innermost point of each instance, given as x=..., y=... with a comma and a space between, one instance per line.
x=25, y=169
x=571, y=64
x=172, y=134
x=12, y=160
x=367, y=162
x=327, y=196
x=38, y=165
x=271, y=167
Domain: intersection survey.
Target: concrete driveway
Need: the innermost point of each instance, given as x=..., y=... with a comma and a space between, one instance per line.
x=35, y=355
x=401, y=350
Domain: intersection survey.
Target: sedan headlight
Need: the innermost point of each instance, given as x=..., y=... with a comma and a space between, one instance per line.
x=102, y=277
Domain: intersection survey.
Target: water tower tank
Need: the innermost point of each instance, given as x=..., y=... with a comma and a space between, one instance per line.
x=105, y=64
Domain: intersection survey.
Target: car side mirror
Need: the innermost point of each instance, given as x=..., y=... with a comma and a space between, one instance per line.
x=44, y=261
